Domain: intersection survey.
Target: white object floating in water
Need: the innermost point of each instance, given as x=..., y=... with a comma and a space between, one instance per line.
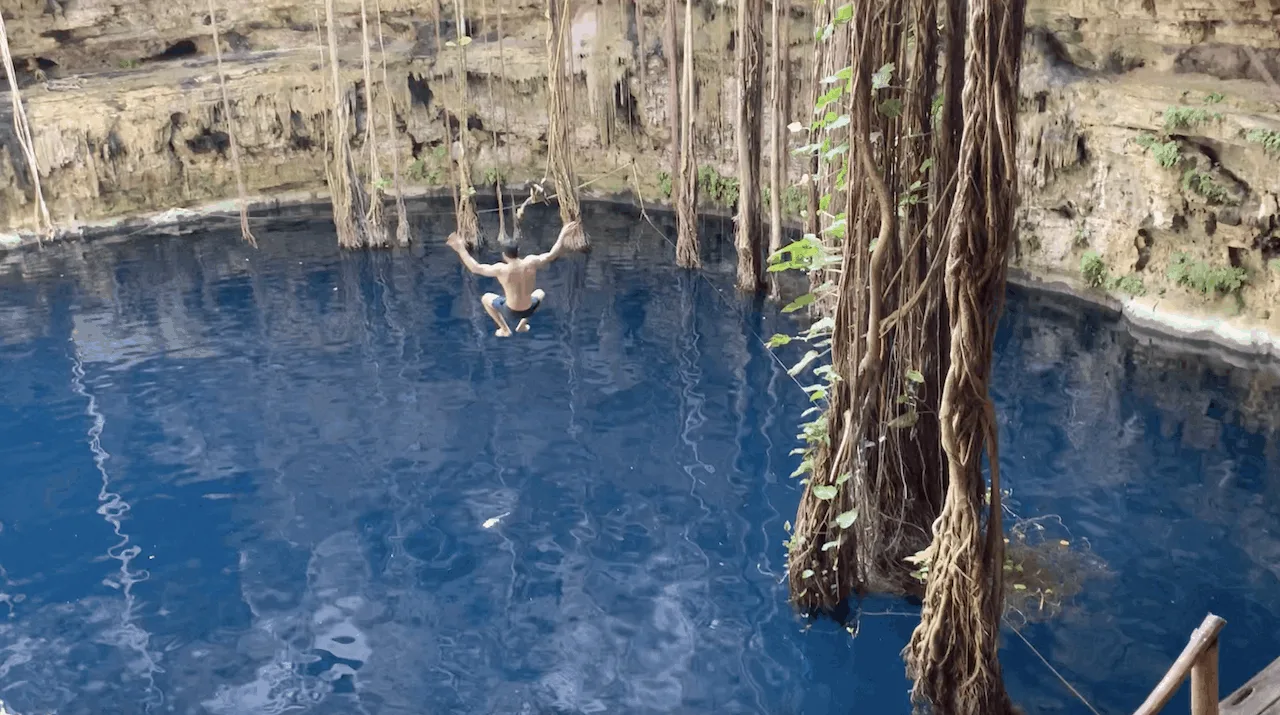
x=492, y=522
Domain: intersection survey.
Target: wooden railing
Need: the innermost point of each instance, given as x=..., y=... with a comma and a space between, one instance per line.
x=1200, y=659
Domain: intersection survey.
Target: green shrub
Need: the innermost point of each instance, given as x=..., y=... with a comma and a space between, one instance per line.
x=1093, y=269
x=1186, y=117
x=1202, y=183
x=664, y=183
x=1204, y=278
x=1167, y=154
x=1130, y=284
x=1270, y=140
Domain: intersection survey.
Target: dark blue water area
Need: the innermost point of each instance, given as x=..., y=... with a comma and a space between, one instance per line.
x=293, y=479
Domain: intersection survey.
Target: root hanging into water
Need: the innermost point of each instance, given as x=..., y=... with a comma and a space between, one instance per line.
x=339, y=170
x=777, y=134
x=750, y=43
x=688, y=251
x=468, y=221
x=233, y=143
x=43, y=224
x=953, y=654
x=876, y=469
x=401, y=211
x=375, y=223
x=559, y=148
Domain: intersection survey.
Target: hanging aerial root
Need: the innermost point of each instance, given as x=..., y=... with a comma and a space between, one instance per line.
x=684, y=183
x=953, y=655
x=559, y=148
x=44, y=225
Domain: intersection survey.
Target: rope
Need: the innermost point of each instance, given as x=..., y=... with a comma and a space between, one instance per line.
x=1053, y=669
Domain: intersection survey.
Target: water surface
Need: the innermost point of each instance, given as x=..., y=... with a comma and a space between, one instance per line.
x=298, y=480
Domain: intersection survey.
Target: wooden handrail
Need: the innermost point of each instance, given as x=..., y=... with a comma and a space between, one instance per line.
x=1199, y=659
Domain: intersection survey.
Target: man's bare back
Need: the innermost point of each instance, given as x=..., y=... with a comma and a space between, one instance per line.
x=517, y=274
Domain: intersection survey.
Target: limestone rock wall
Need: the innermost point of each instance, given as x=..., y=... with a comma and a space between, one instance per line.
x=1150, y=127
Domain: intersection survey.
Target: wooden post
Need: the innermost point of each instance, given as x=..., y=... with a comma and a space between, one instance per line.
x=1203, y=643
x=1204, y=682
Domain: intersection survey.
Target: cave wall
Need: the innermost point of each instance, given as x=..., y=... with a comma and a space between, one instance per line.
x=123, y=100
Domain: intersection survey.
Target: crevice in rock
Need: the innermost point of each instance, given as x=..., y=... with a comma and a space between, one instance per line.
x=419, y=90
x=1235, y=256
x=176, y=51
x=62, y=37
x=208, y=141
x=1143, y=243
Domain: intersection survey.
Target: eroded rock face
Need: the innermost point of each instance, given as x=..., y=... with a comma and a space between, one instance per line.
x=1145, y=125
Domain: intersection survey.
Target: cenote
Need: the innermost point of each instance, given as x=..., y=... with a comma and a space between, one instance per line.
x=293, y=479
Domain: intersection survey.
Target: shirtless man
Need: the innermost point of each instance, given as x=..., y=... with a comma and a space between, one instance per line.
x=516, y=274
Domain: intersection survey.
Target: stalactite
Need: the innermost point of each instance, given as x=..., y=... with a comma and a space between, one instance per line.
x=559, y=147
x=468, y=221
x=43, y=224
x=688, y=251
x=402, y=214
x=750, y=60
x=375, y=225
x=777, y=137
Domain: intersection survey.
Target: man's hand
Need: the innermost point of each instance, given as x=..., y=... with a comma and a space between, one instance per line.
x=455, y=241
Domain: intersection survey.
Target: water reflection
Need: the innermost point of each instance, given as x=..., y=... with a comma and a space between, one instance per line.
x=349, y=497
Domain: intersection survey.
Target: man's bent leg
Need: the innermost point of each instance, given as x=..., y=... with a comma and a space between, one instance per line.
x=537, y=296
x=503, y=330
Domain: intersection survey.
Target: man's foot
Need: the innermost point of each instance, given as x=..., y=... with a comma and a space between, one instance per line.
x=523, y=327
x=502, y=333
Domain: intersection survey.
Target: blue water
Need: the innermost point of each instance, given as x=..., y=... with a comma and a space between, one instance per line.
x=297, y=480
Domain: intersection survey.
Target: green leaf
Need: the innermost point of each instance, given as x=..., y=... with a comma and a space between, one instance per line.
x=830, y=545
x=828, y=97
x=845, y=520
x=882, y=77
x=777, y=340
x=844, y=13
x=804, y=362
x=464, y=40
x=912, y=375
x=844, y=478
x=908, y=419
x=838, y=122
x=805, y=465
x=1019, y=587
x=841, y=76
x=928, y=164
x=807, y=573
x=798, y=303
x=891, y=107
x=787, y=525
x=821, y=327
x=824, y=492
x=795, y=127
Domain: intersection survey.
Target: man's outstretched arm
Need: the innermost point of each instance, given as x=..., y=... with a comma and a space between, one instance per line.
x=558, y=248
x=476, y=267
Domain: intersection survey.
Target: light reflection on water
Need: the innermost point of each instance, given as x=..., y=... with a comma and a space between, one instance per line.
x=310, y=445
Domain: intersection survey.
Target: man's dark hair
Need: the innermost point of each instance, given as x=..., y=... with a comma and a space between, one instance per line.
x=511, y=249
